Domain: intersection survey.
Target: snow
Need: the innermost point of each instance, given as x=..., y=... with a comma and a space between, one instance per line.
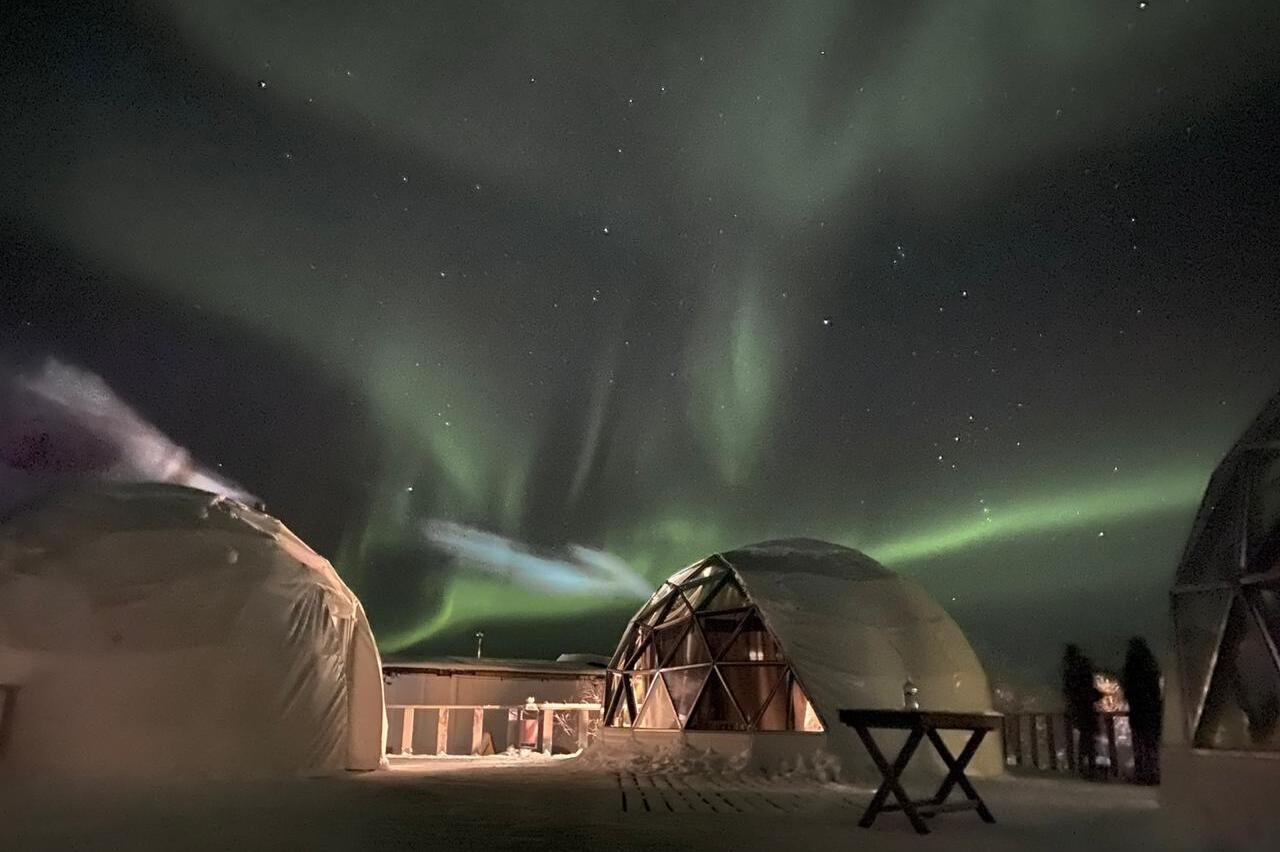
x=677, y=756
x=534, y=802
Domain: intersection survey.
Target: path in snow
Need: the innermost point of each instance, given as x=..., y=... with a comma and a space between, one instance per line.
x=560, y=805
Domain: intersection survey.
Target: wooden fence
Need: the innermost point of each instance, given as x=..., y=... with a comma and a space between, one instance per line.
x=433, y=728
x=1045, y=742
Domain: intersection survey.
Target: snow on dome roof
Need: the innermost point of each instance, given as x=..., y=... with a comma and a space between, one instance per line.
x=87, y=510
x=121, y=518
x=806, y=556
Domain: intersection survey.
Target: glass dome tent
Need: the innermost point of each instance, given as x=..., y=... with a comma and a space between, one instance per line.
x=1226, y=600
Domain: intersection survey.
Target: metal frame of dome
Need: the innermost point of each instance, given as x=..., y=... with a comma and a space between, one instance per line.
x=699, y=657
x=1225, y=603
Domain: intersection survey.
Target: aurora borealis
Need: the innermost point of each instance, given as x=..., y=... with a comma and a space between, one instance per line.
x=983, y=289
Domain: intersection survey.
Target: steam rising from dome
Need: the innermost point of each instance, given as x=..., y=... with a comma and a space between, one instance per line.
x=61, y=425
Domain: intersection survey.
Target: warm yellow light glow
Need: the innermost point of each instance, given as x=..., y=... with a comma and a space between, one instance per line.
x=812, y=723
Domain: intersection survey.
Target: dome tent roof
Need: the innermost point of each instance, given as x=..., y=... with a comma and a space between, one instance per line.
x=855, y=631
x=1212, y=550
x=113, y=544
x=807, y=556
x=207, y=636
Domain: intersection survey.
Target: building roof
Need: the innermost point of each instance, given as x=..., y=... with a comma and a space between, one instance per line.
x=492, y=666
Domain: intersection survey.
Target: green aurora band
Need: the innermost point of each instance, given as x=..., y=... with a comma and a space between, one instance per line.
x=457, y=398
x=1172, y=491
x=659, y=549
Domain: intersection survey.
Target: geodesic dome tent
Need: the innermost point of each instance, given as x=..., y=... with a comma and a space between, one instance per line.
x=1221, y=738
x=157, y=629
x=771, y=640
x=1226, y=600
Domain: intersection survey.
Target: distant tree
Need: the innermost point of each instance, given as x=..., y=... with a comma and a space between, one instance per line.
x=1079, y=697
x=1141, y=683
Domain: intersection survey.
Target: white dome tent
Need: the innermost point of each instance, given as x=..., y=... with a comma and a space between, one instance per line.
x=751, y=653
x=156, y=629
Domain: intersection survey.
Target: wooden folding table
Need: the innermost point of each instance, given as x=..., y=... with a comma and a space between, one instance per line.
x=922, y=725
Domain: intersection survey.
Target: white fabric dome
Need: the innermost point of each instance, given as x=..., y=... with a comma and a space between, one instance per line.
x=855, y=632
x=156, y=629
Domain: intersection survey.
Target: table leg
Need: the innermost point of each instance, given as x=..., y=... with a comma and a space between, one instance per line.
x=955, y=771
x=890, y=775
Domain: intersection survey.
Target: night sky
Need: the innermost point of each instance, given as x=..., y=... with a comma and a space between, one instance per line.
x=983, y=289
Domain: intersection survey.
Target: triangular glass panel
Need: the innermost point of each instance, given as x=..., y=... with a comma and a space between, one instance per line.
x=1242, y=709
x=708, y=571
x=728, y=596
x=644, y=657
x=1217, y=549
x=640, y=684
x=700, y=591
x=677, y=611
x=719, y=630
x=612, y=695
x=1266, y=600
x=624, y=706
x=715, y=710
x=657, y=606
x=774, y=715
x=1199, y=619
x=657, y=712
x=627, y=648
x=803, y=716
x=667, y=638
x=686, y=648
x=683, y=685
x=685, y=573
x=1258, y=667
x=1264, y=514
x=752, y=685
x=754, y=643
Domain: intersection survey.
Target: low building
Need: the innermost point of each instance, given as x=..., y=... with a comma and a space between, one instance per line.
x=496, y=692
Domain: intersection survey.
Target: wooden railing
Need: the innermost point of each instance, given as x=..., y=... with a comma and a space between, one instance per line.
x=528, y=726
x=1045, y=742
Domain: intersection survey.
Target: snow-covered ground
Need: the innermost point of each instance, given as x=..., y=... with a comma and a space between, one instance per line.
x=562, y=804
